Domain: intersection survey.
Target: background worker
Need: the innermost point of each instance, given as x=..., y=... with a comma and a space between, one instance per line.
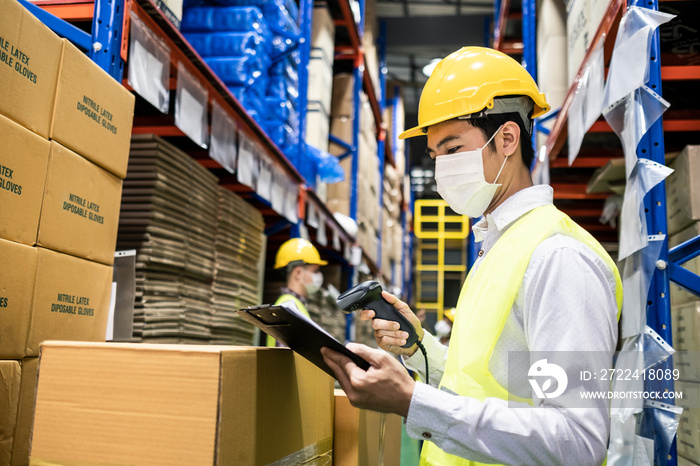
x=540, y=283
x=443, y=328
x=302, y=265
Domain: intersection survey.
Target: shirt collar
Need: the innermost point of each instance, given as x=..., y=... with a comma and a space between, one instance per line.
x=513, y=208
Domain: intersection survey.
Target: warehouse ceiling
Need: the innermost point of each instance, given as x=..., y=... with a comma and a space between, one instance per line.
x=419, y=31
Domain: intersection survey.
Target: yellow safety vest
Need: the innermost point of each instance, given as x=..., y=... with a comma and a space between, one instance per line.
x=485, y=302
x=271, y=342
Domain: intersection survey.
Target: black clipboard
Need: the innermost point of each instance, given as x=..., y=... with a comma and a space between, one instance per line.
x=298, y=333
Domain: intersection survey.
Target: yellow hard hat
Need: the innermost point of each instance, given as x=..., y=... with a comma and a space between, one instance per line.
x=450, y=314
x=297, y=250
x=467, y=81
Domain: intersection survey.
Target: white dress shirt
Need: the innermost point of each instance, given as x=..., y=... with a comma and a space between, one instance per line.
x=566, y=302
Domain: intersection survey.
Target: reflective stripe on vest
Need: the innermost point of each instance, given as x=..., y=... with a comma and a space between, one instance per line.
x=271, y=342
x=485, y=302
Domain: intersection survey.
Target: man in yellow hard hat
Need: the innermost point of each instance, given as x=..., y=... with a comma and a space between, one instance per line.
x=540, y=283
x=302, y=264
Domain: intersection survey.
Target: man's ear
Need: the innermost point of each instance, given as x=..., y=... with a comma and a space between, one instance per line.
x=510, y=136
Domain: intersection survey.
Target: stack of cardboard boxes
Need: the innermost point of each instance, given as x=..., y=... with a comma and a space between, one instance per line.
x=683, y=209
x=583, y=17
x=367, y=180
x=320, y=77
x=65, y=126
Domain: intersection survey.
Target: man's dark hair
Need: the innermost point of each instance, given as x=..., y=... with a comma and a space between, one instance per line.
x=490, y=123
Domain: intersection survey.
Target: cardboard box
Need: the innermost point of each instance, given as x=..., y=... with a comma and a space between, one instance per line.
x=682, y=461
x=94, y=113
x=71, y=300
x=320, y=82
x=80, y=211
x=172, y=9
x=578, y=36
x=25, y=412
x=341, y=127
x=686, y=340
x=323, y=35
x=682, y=190
x=343, y=97
x=24, y=159
x=17, y=275
x=356, y=435
x=148, y=404
x=10, y=380
x=317, y=126
x=688, y=440
x=29, y=59
x=678, y=295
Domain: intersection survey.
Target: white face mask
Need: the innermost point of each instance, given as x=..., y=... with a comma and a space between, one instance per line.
x=461, y=182
x=315, y=284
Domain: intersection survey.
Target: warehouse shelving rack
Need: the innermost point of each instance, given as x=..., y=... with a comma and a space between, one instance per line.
x=107, y=46
x=108, y=43
x=571, y=191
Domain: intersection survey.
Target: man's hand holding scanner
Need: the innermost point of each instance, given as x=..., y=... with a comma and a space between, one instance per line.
x=387, y=333
x=386, y=386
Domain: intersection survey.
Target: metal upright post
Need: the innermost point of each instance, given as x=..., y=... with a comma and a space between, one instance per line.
x=107, y=31
x=658, y=300
x=529, y=27
x=357, y=72
x=381, y=42
x=305, y=24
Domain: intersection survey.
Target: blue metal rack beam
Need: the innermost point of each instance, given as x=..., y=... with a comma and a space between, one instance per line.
x=80, y=38
x=107, y=37
x=305, y=18
x=685, y=251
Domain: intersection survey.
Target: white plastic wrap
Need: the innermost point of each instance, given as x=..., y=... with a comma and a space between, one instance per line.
x=540, y=174
x=191, y=101
x=291, y=205
x=223, y=147
x=149, y=65
x=633, y=226
x=631, y=117
x=279, y=184
x=264, y=186
x=637, y=271
x=629, y=65
x=321, y=237
x=248, y=163
x=587, y=103
x=311, y=215
x=336, y=241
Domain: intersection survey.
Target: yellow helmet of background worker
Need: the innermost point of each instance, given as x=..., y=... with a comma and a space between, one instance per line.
x=467, y=81
x=297, y=250
x=450, y=314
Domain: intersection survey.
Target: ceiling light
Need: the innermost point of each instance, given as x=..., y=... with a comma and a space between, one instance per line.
x=428, y=69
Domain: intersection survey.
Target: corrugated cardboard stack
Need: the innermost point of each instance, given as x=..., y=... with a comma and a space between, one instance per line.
x=180, y=404
x=367, y=181
x=683, y=209
x=59, y=204
x=168, y=215
x=239, y=248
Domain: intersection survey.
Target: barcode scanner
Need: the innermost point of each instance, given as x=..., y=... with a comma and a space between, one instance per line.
x=368, y=295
